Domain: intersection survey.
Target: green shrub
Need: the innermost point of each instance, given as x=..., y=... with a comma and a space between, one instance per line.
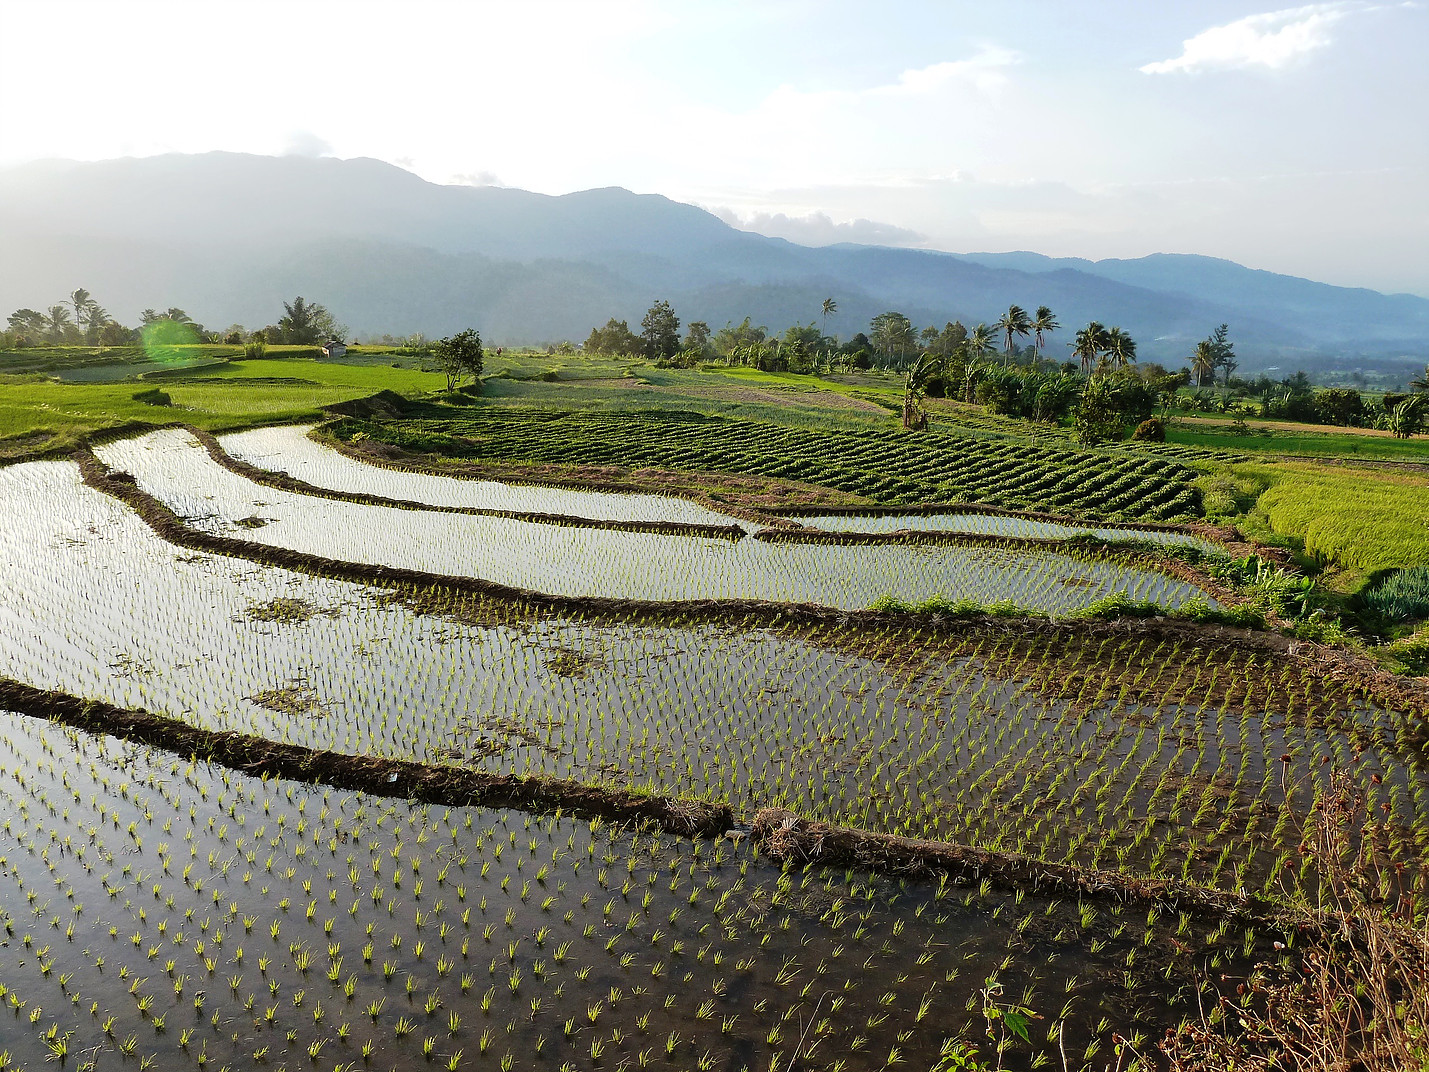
x=1151, y=430
x=153, y=397
x=1401, y=596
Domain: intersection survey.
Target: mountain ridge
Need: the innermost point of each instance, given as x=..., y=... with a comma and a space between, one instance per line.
x=227, y=235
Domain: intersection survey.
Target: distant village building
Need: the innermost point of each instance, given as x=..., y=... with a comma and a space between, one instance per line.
x=334, y=349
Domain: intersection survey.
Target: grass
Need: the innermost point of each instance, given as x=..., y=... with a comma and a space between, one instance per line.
x=234, y=395
x=1363, y=520
x=1313, y=444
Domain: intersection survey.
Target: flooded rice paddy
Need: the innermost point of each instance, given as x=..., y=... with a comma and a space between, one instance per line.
x=287, y=449
x=157, y=908
x=572, y=561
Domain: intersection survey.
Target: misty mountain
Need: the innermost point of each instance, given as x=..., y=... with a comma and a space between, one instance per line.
x=229, y=237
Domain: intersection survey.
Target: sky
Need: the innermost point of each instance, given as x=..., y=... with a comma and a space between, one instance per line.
x=1293, y=139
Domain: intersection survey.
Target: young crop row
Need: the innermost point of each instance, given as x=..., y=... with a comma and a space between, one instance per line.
x=158, y=909
x=1169, y=756
x=884, y=467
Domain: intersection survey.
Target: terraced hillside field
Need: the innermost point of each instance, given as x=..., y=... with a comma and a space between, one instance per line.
x=882, y=467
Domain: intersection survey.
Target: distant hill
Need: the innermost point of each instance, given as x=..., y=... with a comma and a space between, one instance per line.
x=229, y=236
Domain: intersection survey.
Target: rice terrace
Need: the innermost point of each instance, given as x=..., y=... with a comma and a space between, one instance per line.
x=716, y=537
x=585, y=717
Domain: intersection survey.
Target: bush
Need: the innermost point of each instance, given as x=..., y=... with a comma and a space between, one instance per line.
x=1151, y=430
x=153, y=397
x=1401, y=596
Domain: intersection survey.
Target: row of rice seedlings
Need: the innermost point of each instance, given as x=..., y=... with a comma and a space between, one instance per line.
x=166, y=910
x=886, y=467
x=172, y=466
x=1119, y=752
x=288, y=449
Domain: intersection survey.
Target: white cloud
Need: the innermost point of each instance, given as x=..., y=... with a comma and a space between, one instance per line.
x=1273, y=40
x=475, y=178
x=305, y=143
x=820, y=229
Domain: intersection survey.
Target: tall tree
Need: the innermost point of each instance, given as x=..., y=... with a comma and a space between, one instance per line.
x=80, y=301
x=829, y=308
x=459, y=355
x=1224, y=351
x=1203, y=362
x=1014, y=322
x=981, y=342
x=1120, y=348
x=299, y=324
x=1089, y=344
x=57, y=323
x=660, y=331
x=892, y=333
x=1044, y=322
x=30, y=323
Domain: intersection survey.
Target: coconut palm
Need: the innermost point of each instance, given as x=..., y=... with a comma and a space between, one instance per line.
x=1203, y=362
x=1421, y=384
x=80, y=300
x=830, y=307
x=1120, y=348
x=1014, y=322
x=57, y=322
x=980, y=342
x=1089, y=344
x=92, y=319
x=1043, y=322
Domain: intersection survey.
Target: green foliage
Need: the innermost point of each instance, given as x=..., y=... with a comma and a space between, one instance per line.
x=459, y=355
x=615, y=339
x=1151, y=430
x=660, y=332
x=1110, y=405
x=1340, y=405
x=1407, y=417
x=1401, y=596
x=153, y=397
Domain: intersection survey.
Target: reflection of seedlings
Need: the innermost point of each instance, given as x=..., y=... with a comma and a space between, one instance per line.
x=284, y=609
x=295, y=698
x=253, y=521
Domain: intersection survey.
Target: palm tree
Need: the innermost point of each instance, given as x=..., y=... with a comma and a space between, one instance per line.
x=80, y=301
x=1043, y=322
x=1421, y=384
x=1120, y=348
x=93, y=317
x=1090, y=342
x=1014, y=322
x=830, y=307
x=57, y=322
x=914, y=384
x=980, y=342
x=1203, y=362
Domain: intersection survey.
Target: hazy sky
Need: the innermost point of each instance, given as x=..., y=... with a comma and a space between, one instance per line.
x=1294, y=139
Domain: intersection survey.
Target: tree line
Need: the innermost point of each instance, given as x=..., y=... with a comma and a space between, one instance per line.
x=80, y=320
